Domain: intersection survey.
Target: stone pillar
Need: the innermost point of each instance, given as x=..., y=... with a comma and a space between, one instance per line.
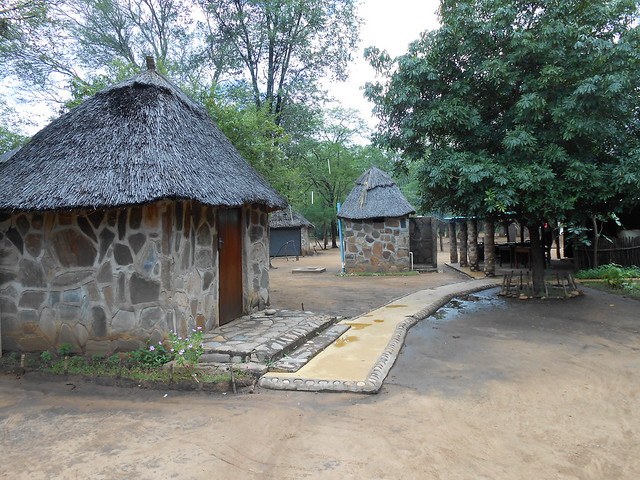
x=453, y=243
x=472, y=225
x=463, y=244
x=489, y=249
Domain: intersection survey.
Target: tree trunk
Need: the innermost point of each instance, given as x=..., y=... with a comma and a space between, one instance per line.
x=463, y=244
x=472, y=226
x=596, y=240
x=489, y=249
x=334, y=234
x=324, y=236
x=453, y=244
x=537, y=260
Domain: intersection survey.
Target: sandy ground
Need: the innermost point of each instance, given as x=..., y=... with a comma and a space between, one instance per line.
x=347, y=296
x=493, y=390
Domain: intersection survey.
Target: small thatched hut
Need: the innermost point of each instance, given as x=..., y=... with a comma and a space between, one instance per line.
x=128, y=217
x=289, y=234
x=376, y=226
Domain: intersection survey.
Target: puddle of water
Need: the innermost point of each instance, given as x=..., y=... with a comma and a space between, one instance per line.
x=454, y=304
x=440, y=314
x=343, y=341
x=358, y=326
x=467, y=304
x=395, y=306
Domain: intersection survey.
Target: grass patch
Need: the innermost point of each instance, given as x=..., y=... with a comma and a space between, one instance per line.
x=633, y=291
x=125, y=366
x=613, y=278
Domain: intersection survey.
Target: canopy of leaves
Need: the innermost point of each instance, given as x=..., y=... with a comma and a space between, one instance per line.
x=283, y=47
x=522, y=106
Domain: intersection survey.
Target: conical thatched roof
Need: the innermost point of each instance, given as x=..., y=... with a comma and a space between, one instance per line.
x=375, y=195
x=288, y=219
x=138, y=141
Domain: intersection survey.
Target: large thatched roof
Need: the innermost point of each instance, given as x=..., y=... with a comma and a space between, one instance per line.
x=375, y=195
x=288, y=219
x=138, y=141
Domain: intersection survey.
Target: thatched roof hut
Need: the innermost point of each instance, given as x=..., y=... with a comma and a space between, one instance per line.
x=375, y=195
x=127, y=218
x=289, y=234
x=136, y=142
x=376, y=227
x=288, y=219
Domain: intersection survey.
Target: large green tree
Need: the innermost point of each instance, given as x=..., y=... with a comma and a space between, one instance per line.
x=283, y=47
x=329, y=162
x=523, y=106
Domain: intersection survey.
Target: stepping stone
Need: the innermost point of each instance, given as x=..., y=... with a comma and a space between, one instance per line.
x=309, y=270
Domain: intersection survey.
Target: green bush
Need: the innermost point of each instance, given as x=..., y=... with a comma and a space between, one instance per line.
x=187, y=350
x=613, y=275
x=152, y=356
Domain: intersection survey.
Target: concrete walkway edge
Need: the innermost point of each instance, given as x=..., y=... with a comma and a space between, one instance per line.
x=434, y=299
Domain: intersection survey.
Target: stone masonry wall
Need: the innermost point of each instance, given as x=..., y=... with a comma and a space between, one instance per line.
x=380, y=246
x=305, y=242
x=256, y=258
x=107, y=280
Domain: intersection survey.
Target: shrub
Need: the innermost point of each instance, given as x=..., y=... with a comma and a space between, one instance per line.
x=64, y=349
x=614, y=275
x=152, y=356
x=187, y=350
x=46, y=358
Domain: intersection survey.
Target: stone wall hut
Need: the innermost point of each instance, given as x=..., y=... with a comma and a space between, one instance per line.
x=289, y=234
x=129, y=217
x=376, y=226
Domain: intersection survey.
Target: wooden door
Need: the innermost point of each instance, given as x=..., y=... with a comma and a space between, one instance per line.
x=230, y=264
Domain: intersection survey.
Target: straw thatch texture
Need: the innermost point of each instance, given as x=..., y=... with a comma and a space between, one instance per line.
x=7, y=155
x=288, y=219
x=135, y=142
x=375, y=195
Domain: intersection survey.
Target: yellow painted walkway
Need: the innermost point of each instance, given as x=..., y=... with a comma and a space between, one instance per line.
x=360, y=359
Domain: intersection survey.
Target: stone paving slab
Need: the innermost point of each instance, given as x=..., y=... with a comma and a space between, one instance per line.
x=361, y=358
x=262, y=337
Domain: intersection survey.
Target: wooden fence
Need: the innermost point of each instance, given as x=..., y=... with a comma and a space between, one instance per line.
x=623, y=251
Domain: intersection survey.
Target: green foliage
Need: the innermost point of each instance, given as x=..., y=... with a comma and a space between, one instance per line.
x=132, y=366
x=614, y=275
x=282, y=47
x=186, y=351
x=82, y=89
x=511, y=107
x=64, y=349
x=10, y=140
x=253, y=131
x=46, y=357
x=153, y=356
x=519, y=107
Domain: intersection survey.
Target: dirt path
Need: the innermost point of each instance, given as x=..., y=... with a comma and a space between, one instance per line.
x=507, y=391
x=345, y=296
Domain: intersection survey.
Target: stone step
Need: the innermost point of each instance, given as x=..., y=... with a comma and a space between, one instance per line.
x=263, y=338
x=422, y=268
x=301, y=355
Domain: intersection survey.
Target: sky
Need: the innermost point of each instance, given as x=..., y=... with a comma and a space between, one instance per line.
x=390, y=25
